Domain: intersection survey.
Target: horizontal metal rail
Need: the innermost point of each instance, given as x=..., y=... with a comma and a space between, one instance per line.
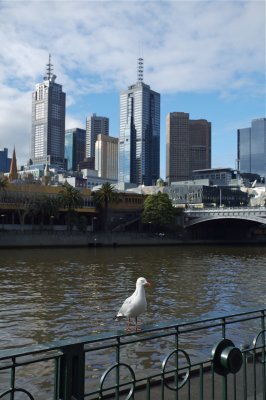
x=212, y=357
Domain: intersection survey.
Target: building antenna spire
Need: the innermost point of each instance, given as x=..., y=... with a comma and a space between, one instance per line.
x=49, y=69
x=140, y=69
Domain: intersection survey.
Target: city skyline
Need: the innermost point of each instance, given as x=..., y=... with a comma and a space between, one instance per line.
x=203, y=58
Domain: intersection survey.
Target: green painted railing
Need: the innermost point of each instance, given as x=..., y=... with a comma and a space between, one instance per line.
x=204, y=358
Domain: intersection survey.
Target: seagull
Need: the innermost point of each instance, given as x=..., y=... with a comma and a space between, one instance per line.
x=134, y=305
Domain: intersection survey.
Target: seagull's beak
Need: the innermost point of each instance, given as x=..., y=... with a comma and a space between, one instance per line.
x=147, y=284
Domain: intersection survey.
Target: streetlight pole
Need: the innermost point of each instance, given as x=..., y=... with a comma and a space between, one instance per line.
x=3, y=220
x=93, y=223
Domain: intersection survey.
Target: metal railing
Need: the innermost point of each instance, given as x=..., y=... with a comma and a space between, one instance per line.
x=211, y=357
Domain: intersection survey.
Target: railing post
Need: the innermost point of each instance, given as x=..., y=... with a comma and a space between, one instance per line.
x=71, y=373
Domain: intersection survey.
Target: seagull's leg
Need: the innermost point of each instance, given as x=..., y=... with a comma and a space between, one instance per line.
x=136, y=325
x=128, y=325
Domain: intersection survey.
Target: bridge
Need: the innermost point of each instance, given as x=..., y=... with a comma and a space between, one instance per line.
x=193, y=216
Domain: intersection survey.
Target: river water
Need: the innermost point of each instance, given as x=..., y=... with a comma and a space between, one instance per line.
x=53, y=294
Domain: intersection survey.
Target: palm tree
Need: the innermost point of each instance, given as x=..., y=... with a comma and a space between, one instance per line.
x=44, y=206
x=103, y=197
x=70, y=198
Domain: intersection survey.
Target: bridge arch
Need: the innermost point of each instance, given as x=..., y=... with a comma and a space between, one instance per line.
x=259, y=220
x=225, y=224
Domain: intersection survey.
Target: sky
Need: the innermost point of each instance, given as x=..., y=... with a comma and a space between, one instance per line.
x=206, y=58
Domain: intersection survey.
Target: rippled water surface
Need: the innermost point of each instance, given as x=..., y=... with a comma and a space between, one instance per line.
x=53, y=294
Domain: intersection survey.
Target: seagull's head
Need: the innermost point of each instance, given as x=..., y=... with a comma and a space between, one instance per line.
x=142, y=282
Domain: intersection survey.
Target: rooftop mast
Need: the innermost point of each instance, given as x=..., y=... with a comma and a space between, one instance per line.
x=140, y=69
x=49, y=70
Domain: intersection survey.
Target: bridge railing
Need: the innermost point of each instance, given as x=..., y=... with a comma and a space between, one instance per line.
x=205, y=357
x=228, y=210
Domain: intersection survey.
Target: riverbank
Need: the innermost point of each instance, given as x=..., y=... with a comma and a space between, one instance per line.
x=36, y=239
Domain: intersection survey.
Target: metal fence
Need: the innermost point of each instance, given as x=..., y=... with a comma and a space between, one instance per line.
x=219, y=356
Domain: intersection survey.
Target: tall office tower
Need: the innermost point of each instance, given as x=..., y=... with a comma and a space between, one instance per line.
x=48, y=121
x=188, y=146
x=251, y=148
x=75, y=144
x=200, y=144
x=95, y=125
x=106, y=157
x=139, y=139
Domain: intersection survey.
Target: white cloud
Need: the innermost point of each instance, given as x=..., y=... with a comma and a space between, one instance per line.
x=15, y=122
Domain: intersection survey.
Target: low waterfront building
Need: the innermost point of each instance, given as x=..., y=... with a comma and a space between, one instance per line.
x=219, y=176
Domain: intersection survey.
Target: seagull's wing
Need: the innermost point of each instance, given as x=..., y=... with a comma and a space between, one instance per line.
x=124, y=310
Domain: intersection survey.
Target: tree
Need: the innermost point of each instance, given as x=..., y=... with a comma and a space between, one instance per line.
x=70, y=198
x=23, y=205
x=103, y=197
x=3, y=183
x=44, y=206
x=158, y=209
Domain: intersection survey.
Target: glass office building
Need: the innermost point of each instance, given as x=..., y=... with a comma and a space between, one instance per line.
x=139, y=139
x=5, y=161
x=251, y=148
x=48, y=122
x=75, y=143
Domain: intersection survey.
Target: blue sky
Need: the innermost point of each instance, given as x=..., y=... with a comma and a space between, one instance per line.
x=206, y=58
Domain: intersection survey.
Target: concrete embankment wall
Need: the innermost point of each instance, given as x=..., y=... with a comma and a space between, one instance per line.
x=75, y=239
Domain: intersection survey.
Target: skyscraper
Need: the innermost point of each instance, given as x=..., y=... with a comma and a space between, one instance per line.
x=48, y=121
x=75, y=142
x=251, y=148
x=139, y=139
x=95, y=125
x=106, y=156
x=188, y=146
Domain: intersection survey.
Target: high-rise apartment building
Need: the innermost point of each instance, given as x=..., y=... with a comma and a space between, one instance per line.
x=75, y=143
x=139, y=138
x=106, y=157
x=251, y=148
x=188, y=146
x=48, y=122
x=95, y=125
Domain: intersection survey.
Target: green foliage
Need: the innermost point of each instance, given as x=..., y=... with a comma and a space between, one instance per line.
x=103, y=197
x=70, y=197
x=158, y=209
x=106, y=195
x=3, y=182
x=44, y=206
